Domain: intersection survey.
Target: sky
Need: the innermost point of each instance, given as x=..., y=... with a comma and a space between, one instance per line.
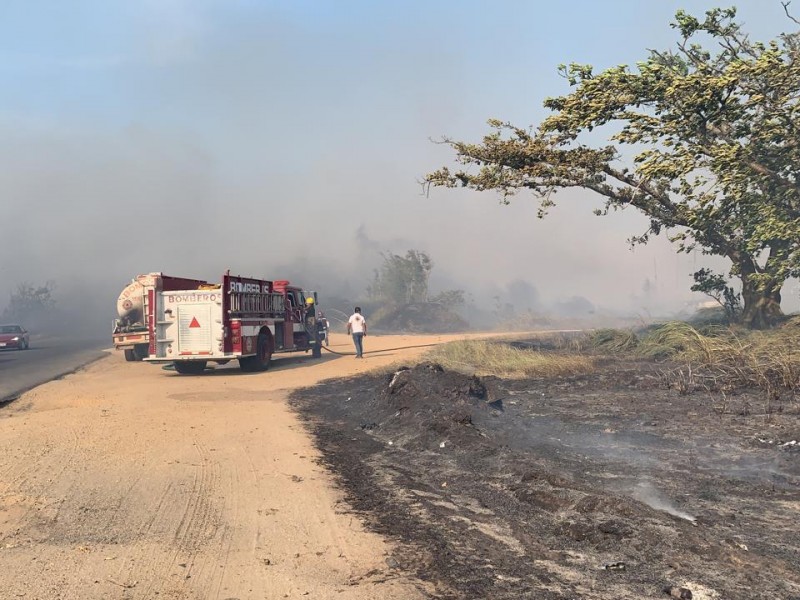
x=288, y=139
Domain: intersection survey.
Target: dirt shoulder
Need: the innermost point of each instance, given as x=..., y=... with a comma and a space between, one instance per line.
x=128, y=481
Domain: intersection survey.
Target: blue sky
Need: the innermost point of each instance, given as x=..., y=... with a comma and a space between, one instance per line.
x=263, y=136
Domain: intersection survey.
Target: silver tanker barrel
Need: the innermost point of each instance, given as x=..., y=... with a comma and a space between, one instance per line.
x=130, y=305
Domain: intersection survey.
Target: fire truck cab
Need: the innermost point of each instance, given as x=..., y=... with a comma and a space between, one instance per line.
x=241, y=318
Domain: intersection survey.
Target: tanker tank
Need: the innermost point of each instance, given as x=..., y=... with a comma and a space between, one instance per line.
x=130, y=304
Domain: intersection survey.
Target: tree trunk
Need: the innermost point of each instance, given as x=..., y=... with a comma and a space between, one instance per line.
x=762, y=307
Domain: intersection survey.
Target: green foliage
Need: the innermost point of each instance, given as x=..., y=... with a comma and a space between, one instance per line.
x=716, y=286
x=29, y=302
x=705, y=143
x=399, y=292
x=402, y=279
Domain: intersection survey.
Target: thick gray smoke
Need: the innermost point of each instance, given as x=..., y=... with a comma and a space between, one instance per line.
x=286, y=142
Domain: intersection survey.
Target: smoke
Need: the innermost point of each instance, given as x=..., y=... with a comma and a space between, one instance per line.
x=285, y=142
x=645, y=492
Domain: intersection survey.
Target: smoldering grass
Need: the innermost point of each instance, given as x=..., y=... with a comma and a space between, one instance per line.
x=481, y=357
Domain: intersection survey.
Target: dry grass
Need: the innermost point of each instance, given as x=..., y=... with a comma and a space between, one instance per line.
x=721, y=358
x=614, y=340
x=482, y=357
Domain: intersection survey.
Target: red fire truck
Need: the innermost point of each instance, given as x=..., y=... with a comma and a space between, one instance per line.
x=242, y=319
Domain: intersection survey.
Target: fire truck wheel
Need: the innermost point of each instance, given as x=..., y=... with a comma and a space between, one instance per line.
x=259, y=362
x=190, y=368
x=141, y=351
x=130, y=355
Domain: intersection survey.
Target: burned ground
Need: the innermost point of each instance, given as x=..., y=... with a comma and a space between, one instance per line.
x=609, y=485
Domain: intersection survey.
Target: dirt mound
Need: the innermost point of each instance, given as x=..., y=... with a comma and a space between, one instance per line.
x=405, y=409
x=569, y=488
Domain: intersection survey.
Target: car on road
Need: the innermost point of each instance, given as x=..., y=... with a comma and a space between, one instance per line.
x=14, y=336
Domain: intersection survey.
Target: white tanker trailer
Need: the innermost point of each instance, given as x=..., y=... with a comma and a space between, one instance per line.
x=130, y=330
x=131, y=333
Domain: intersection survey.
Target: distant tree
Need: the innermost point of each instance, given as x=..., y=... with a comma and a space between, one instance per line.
x=29, y=302
x=704, y=142
x=402, y=301
x=402, y=279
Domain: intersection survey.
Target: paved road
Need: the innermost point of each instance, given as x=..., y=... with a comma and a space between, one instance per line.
x=46, y=359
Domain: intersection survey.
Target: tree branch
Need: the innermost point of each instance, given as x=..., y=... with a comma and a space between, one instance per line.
x=786, y=10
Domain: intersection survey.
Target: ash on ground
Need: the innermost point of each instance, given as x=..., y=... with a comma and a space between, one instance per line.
x=604, y=486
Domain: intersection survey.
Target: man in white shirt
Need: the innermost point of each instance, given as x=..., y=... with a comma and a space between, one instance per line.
x=357, y=326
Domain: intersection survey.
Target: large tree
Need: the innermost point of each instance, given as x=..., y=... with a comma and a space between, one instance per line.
x=704, y=140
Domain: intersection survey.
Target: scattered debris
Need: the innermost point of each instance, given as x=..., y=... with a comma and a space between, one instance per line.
x=126, y=586
x=681, y=593
x=497, y=405
x=617, y=566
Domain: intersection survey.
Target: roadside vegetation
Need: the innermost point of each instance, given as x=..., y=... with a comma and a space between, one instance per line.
x=482, y=357
x=722, y=360
x=399, y=297
x=714, y=358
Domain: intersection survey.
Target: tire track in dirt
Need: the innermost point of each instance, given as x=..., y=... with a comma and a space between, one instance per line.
x=228, y=529
x=157, y=486
x=203, y=521
x=177, y=532
x=29, y=489
x=144, y=551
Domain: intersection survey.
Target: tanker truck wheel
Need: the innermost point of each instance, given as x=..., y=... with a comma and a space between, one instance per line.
x=130, y=355
x=190, y=368
x=259, y=362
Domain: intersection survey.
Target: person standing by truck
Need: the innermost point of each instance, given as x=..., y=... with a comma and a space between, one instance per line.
x=323, y=325
x=311, y=315
x=357, y=327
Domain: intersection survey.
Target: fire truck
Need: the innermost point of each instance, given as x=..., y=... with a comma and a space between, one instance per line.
x=242, y=319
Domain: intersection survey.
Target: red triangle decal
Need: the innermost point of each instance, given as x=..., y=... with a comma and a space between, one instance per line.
x=194, y=323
